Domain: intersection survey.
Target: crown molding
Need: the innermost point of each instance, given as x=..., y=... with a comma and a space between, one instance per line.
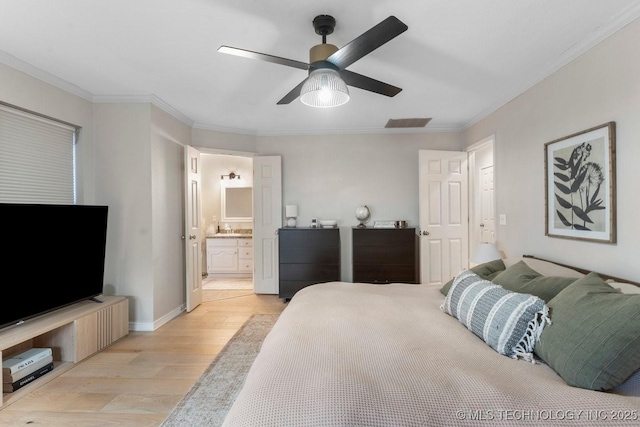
x=44, y=76
x=596, y=37
x=357, y=131
x=224, y=129
x=144, y=99
x=360, y=131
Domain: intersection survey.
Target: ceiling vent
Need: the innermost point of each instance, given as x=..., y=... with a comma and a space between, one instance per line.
x=407, y=123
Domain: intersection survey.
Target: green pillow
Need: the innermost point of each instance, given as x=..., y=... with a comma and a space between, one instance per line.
x=593, y=340
x=487, y=271
x=519, y=274
x=523, y=279
x=544, y=287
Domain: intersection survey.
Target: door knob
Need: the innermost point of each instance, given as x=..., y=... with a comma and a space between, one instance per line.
x=192, y=236
x=425, y=233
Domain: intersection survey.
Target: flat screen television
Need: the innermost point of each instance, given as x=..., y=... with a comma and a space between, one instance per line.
x=52, y=256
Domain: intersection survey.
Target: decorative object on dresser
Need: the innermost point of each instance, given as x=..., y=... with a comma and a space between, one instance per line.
x=384, y=224
x=307, y=256
x=580, y=182
x=328, y=223
x=291, y=213
x=363, y=214
x=385, y=255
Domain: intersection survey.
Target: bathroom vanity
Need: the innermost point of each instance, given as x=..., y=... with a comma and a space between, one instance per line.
x=230, y=255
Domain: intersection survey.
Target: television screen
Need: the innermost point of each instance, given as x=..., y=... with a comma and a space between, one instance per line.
x=52, y=256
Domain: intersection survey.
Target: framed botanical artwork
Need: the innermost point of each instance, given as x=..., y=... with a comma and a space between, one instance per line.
x=580, y=185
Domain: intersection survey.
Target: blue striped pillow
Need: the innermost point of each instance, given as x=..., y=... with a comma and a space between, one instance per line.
x=509, y=322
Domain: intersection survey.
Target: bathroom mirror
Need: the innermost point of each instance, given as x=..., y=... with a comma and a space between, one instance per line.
x=237, y=204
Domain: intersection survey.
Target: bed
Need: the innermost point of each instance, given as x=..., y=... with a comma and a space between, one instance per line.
x=355, y=354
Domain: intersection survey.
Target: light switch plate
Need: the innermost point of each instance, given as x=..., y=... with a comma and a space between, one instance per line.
x=503, y=219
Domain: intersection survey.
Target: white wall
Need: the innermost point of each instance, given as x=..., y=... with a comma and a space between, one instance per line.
x=328, y=176
x=140, y=178
x=129, y=159
x=600, y=86
x=114, y=168
x=123, y=182
x=22, y=90
x=223, y=140
x=168, y=137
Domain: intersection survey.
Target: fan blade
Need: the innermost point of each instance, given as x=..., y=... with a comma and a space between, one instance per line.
x=367, y=83
x=367, y=42
x=263, y=56
x=291, y=96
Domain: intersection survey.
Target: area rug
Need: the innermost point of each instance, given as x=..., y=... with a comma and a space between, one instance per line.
x=227, y=283
x=211, y=397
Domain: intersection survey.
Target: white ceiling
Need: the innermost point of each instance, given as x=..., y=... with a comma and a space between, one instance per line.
x=458, y=61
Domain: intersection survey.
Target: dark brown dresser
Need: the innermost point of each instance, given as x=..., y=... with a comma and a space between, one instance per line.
x=385, y=255
x=307, y=256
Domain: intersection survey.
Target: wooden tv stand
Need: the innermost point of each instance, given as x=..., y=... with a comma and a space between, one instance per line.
x=73, y=333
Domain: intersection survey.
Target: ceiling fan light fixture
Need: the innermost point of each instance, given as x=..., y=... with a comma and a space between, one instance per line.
x=323, y=89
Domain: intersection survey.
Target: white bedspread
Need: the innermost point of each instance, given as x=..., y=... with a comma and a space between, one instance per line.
x=345, y=354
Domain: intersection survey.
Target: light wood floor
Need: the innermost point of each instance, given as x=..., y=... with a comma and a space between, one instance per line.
x=138, y=380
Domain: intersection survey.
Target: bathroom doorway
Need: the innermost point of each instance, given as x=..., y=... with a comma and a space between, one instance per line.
x=482, y=224
x=227, y=219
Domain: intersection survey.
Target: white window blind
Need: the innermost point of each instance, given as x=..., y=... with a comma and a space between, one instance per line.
x=37, y=159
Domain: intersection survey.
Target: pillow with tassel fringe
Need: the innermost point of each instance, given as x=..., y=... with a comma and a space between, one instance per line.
x=509, y=322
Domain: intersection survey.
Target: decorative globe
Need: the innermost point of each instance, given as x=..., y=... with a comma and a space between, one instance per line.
x=363, y=215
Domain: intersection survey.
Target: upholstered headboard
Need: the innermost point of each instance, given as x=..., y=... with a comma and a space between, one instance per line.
x=584, y=271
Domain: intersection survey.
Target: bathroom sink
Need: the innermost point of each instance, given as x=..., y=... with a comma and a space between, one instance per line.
x=232, y=235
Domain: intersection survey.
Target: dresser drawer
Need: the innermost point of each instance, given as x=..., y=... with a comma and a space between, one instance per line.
x=245, y=242
x=288, y=288
x=381, y=273
x=245, y=265
x=222, y=242
x=386, y=255
x=307, y=256
x=245, y=253
x=312, y=272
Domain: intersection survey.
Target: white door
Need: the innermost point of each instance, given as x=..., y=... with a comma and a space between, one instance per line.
x=193, y=232
x=444, y=215
x=267, y=219
x=487, y=225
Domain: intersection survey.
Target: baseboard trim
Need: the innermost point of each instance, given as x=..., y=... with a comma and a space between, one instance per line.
x=152, y=326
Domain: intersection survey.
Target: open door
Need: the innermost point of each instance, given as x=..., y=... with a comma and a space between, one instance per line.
x=444, y=215
x=481, y=193
x=267, y=219
x=193, y=228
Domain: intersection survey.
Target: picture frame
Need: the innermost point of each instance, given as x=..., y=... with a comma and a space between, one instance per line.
x=580, y=185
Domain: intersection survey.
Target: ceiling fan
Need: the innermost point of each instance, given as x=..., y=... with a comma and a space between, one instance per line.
x=326, y=85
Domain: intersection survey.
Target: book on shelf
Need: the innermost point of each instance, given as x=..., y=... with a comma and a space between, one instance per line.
x=26, y=371
x=9, y=388
x=24, y=359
